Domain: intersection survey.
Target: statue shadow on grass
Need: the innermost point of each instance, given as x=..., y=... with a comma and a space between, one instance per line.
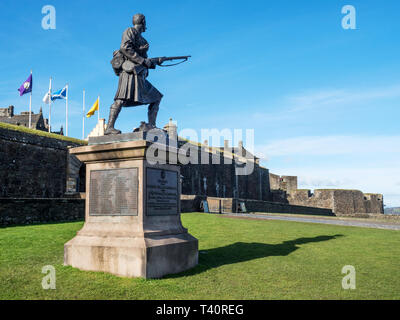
x=243, y=251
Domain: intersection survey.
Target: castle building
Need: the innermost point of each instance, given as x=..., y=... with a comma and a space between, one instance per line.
x=38, y=122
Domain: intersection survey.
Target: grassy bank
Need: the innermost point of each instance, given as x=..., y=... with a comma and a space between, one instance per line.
x=41, y=133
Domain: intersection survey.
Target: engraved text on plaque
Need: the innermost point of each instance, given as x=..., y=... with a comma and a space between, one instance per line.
x=113, y=192
x=162, y=192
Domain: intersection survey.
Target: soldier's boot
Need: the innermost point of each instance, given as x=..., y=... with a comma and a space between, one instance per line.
x=114, y=112
x=152, y=113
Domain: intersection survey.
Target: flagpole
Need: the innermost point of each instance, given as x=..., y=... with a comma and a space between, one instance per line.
x=50, y=107
x=83, y=117
x=66, y=112
x=30, y=106
x=98, y=113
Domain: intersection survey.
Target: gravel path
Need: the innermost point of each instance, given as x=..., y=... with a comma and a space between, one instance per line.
x=352, y=223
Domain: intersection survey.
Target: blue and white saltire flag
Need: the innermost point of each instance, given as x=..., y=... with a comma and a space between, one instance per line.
x=60, y=94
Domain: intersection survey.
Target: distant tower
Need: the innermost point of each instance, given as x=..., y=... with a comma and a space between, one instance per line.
x=11, y=111
x=171, y=129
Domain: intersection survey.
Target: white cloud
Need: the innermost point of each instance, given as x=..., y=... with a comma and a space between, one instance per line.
x=330, y=145
x=318, y=182
x=291, y=106
x=340, y=97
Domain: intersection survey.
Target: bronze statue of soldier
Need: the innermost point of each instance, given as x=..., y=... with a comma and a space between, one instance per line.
x=133, y=88
x=132, y=65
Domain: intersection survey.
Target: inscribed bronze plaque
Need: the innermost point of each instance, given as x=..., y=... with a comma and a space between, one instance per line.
x=162, y=192
x=113, y=192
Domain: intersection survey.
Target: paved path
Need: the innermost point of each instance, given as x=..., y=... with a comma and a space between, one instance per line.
x=352, y=223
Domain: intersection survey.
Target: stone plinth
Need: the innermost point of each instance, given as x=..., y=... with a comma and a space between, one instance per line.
x=132, y=217
x=153, y=135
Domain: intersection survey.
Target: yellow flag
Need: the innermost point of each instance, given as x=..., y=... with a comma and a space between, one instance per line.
x=93, y=109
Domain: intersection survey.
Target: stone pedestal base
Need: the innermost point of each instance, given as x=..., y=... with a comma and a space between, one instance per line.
x=132, y=224
x=150, y=257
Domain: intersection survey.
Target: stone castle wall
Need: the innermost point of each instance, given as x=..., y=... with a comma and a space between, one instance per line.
x=355, y=202
x=31, y=211
x=32, y=166
x=320, y=198
x=230, y=205
x=220, y=180
x=284, y=183
x=7, y=112
x=342, y=202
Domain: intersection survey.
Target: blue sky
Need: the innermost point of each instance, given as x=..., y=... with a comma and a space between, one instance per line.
x=323, y=101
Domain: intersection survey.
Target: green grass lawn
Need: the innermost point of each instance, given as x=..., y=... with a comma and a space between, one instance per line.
x=239, y=259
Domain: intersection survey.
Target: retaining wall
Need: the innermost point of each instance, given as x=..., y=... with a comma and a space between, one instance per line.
x=30, y=211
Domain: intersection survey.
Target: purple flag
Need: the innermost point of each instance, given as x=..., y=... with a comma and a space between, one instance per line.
x=26, y=86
